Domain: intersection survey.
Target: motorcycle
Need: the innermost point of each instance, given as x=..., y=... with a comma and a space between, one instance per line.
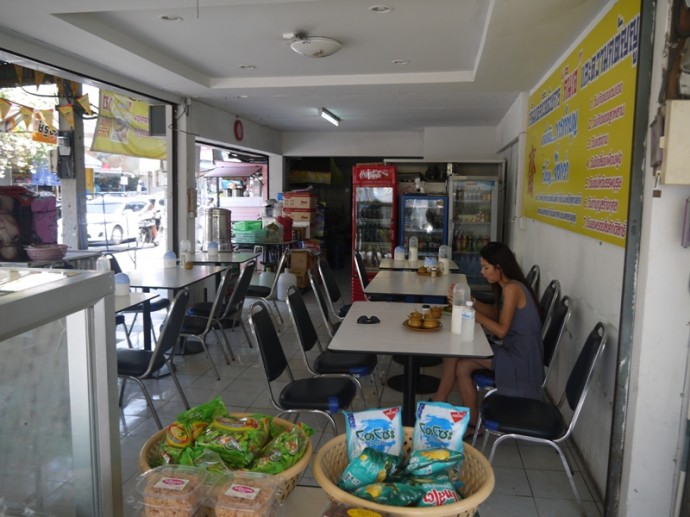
x=146, y=232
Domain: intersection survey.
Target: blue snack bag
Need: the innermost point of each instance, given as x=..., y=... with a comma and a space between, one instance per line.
x=380, y=429
x=440, y=425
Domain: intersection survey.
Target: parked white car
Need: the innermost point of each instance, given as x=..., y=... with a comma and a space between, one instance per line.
x=113, y=220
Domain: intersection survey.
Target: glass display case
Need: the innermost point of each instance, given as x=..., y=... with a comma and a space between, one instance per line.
x=60, y=447
x=425, y=217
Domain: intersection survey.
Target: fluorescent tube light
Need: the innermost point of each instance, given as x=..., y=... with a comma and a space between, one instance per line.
x=329, y=116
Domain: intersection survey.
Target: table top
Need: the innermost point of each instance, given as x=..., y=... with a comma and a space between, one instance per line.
x=223, y=257
x=132, y=299
x=172, y=277
x=392, y=337
x=411, y=283
x=409, y=265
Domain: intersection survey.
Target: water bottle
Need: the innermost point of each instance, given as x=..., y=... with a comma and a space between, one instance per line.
x=459, y=294
x=413, y=256
x=102, y=264
x=285, y=280
x=468, y=316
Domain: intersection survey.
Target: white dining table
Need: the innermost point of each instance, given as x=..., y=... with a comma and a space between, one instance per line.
x=172, y=278
x=391, y=337
x=410, y=265
x=411, y=283
x=132, y=299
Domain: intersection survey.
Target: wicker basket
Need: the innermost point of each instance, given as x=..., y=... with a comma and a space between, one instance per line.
x=290, y=476
x=477, y=475
x=46, y=251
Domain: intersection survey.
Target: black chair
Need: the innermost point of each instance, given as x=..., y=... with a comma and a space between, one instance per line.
x=321, y=296
x=533, y=278
x=332, y=290
x=120, y=320
x=484, y=379
x=547, y=302
x=328, y=362
x=320, y=395
x=159, y=303
x=270, y=293
x=199, y=327
x=364, y=280
x=139, y=365
x=541, y=422
x=231, y=315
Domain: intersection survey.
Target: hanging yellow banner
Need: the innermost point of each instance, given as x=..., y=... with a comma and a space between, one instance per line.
x=580, y=129
x=123, y=128
x=5, y=106
x=48, y=116
x=42, y=131
x=38, y=78
x=27, y=116
x=85, y=103
x=67, y=111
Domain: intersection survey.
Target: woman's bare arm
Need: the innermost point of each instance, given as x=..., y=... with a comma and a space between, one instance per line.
x=513, y=297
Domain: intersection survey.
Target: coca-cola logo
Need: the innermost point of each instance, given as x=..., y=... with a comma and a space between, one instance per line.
x=373, y=174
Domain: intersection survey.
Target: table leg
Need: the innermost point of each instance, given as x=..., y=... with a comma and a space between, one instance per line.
x=411, y=371
x=147, y=322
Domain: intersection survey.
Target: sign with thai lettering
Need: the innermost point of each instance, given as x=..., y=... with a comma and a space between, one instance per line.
x=580, y=130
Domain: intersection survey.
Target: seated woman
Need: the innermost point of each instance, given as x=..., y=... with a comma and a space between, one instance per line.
x=518, y=362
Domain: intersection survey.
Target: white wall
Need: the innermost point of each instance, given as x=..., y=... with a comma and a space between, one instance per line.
x=658, y=402
x=460, y=143
x=343, y=143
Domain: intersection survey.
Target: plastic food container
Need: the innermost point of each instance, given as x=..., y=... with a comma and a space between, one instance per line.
x=171, y=491
x=245, y=494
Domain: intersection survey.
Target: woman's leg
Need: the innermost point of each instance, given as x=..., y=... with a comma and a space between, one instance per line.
x=468, y=390
x=445, y=385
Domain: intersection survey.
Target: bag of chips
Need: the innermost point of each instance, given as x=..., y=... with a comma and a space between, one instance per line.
x=380, y=429
x=432, y=461
x=391, y=494
x=236, y=440
x=440, y=426
x=436, y=491
x=371, y=466
x=283, y=451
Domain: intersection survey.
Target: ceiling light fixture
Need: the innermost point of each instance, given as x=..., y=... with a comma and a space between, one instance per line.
x=314, y=46
x=380, y=9
x=247, y=67
x=329, y=116
x=171, y=18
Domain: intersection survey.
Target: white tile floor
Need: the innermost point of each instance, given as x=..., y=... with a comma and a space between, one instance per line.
x=530, y=480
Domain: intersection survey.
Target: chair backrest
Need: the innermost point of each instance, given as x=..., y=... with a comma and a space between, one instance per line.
x=114, y=264
x=282, y=262
x=361, y=270
x=582, y=374
x=533, y=278
x=266, y=337
x=321, y=296
x=556, y=328
x=547, y=302
x=239, y=291
x=329, y=283
x=304, y=327
x=222, y=294
x=170, y=332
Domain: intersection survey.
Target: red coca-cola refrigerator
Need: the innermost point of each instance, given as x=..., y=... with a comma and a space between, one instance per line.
x=374, y=209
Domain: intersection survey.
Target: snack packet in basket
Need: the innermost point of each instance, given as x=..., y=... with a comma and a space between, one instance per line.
x=371, y=466
x=283, y=451
x=380, y=429
x=440, y=426
x=391, y=494
x=237, y=440
x=437, y=491
x=336, y=509
x=432, y=461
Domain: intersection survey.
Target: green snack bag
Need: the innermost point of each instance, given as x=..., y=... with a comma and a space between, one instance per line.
x=283, y=451
x=436, y=491
x=433, y=461
x=371, y=466
x=392, y=494
x=236, y=440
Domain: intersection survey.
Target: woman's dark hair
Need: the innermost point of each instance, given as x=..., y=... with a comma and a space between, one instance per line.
x=499, y=255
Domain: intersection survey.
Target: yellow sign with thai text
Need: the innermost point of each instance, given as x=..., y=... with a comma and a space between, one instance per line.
x=123, y=128
x=580, y=132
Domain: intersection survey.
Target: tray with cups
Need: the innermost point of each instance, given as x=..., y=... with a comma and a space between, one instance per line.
x=424, y=322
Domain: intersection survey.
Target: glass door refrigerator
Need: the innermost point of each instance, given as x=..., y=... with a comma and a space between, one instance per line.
x=474, y=222
x=425, y=217
x=373, y=210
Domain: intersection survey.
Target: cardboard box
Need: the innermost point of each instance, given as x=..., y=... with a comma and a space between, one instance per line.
x=302, y=280
x=300, y=215
x=299, y=261
x=302, y=200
